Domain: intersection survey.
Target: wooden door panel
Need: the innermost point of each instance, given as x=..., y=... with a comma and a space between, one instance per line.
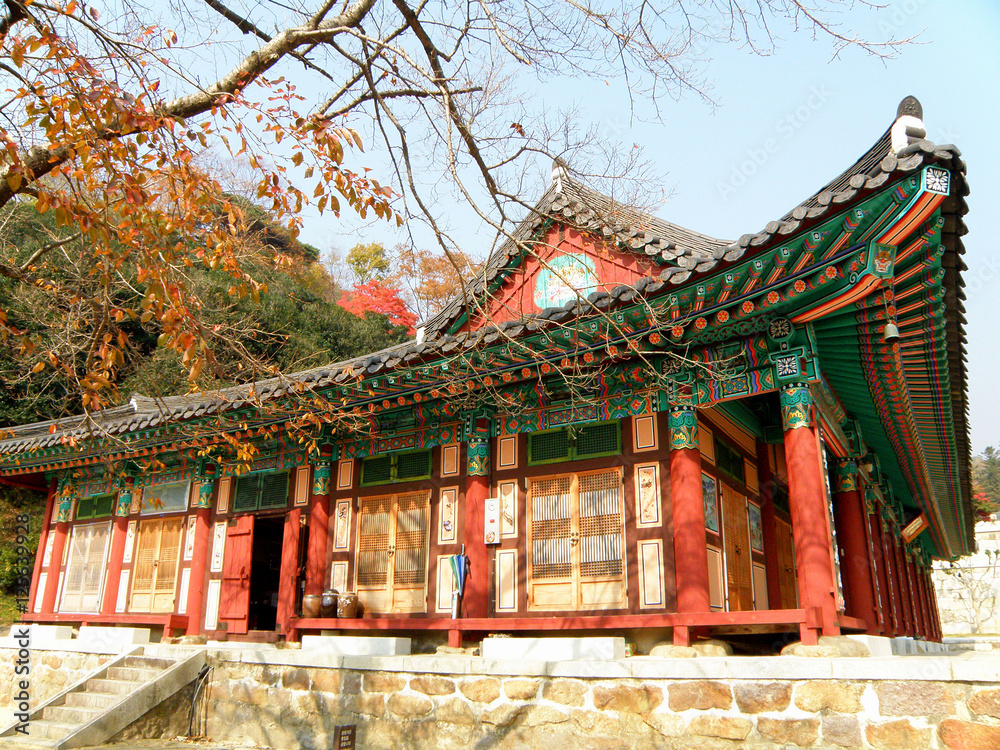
x=737, y=545
x=576, y=542
x=409, y=558
x=393, y=538
x=234, y=601
x=166, y=565
x=550, y=565
x=144, y=568
x=786, y=565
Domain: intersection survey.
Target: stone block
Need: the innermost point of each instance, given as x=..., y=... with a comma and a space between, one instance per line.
x=967, y=735
x=699, y=694
x=111, y=639
x=826, y=695
x=365, y=704
x=914, y=699
x=670, y=651
x=897, y=735
x=502, y=715
x=356, y=645
x=756, y=697
x=565, y=692
x=712, y=648
x=382, y=682
x=554, y=649
x=725, y=727
x=635, y=698
x=801, y=732
x=41, y=635
x=537, y=716
x=986, y=703
x=842, y=730
x=327, y=680
x=455, y=711
x=666, y=725
x=409, y=706
x=295, y=678
x=480, y=690
x=877, y=645
x=430, y=685
x=520, y=690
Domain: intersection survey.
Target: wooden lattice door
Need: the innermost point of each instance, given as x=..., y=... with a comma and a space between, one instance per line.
x=154, y=577
x=391, y=568
x=736, y=539
x=88, y=551
x=576, y=546
x=786, y=565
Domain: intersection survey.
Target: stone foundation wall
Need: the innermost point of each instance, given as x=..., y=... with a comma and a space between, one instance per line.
x=51, y=671
x=411, y=704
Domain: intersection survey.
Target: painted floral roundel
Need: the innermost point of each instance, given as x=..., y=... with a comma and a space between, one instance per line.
x=562, y=278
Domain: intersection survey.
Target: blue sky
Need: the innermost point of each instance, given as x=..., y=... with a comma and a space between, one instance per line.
x=787, y=123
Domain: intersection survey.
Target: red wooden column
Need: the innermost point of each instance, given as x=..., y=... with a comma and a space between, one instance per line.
x=199, y=556
x=690, y=556
x=882, y=598
x=768, y=527
x=925, y=596
x=43, y=539
x=916, y=597
x=475, y=598
x=891, y=578
x=904, y=605
x=855, y=563
x=288, y=574
x=65, y=499
x=933, y=599
x=319, y=526
x=119, y=532
x=807, y=503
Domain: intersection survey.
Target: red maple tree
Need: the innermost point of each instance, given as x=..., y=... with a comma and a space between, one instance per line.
x=378, y=298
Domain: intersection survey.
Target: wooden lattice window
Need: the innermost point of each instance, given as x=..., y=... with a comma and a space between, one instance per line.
x=576, y=541
x=575, y=442
x=261, y=491
x=98, y=506
x=396, y=467
x=391, y=563
x=165, y=498
x=729, y=460
x=84, y=579
x=154, y=575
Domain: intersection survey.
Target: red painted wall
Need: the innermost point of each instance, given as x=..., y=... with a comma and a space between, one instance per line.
x=515, y=297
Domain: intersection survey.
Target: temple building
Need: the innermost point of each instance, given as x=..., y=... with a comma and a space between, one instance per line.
x=623, y=424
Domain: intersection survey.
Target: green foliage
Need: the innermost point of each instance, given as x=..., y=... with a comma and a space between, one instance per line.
x=986, y=481
x=15, y=501
x=368, y=262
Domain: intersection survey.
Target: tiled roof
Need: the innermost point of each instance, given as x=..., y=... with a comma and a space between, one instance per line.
x=681, y=252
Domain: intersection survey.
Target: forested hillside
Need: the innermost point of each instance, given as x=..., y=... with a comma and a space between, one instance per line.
x=299, y=322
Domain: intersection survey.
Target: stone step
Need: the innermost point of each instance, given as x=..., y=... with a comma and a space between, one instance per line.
x=70, y=714
x=148, y=662
x=112, y=687
x=20, y=742
x=132, y=674
x=91, y=700
x=48, y=730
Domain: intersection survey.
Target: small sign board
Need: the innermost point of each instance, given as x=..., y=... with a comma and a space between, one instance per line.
x=345, y=736
x=491, y=532
x=913, y=529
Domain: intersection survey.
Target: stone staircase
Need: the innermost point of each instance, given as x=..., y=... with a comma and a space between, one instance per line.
x=107, y=701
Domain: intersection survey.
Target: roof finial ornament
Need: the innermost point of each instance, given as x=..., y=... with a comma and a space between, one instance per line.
x=560, y=172
x=910, y=106
x=909, y=125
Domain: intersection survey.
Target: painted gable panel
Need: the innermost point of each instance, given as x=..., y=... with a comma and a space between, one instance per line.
x=567, y=260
